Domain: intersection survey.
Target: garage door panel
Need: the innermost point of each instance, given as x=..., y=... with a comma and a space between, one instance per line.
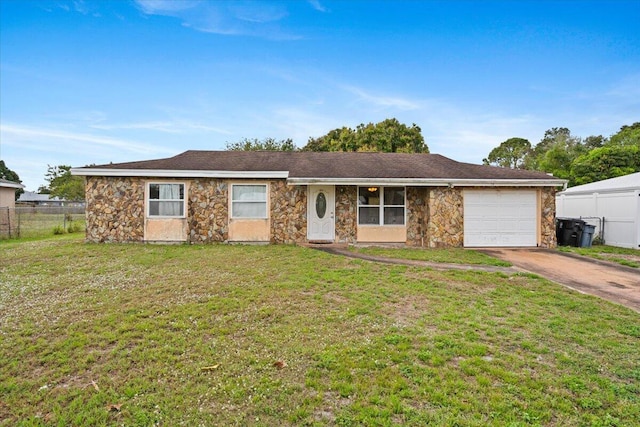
x=500, y=218
x=509, y=225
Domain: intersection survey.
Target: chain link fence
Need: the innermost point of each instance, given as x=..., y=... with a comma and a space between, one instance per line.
x=40, y=221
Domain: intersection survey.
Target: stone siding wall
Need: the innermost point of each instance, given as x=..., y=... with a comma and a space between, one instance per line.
x=417, y=215
x=208, y=211
x=446, y=222
x=346, y=215
x=548, y=217
x=116, y=213
x=288, y=212
x=115, y=209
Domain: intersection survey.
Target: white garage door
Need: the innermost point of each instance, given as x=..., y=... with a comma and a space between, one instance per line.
x=500, y=218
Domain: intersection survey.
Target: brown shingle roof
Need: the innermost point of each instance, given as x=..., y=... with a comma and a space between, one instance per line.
x=338, y=165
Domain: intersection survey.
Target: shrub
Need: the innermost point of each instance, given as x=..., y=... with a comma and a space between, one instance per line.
x=74, y=227
x=58, y=229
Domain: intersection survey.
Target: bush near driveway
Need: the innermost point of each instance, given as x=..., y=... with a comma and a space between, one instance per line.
x=283, y=335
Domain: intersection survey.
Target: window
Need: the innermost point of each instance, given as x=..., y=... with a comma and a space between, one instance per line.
x=381, y=206
x=249, y=201
x=166, y=200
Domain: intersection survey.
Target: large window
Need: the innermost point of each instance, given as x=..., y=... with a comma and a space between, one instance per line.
x=381, y=206
x=249, y=201
x=166, y=200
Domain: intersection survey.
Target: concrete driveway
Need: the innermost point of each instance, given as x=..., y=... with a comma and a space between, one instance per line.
x=606, y=280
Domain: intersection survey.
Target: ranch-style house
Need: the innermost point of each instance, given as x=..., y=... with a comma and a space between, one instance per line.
x=423, y=200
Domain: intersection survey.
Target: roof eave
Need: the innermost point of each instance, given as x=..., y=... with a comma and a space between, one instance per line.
x=163, y=173
x=431, y=182
x=418, y=182
x=11, y=185
x=629, y=189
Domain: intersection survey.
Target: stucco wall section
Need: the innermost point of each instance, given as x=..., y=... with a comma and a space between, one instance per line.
x=7, y=197
x=548, y=218
x=115, y=209
x=417, y=215
x=446, y=222
x=346, y=216
x=208, y=211
x=288, y=212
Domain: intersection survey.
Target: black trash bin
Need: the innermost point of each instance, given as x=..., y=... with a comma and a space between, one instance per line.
x=569, y=231
x=561, y=225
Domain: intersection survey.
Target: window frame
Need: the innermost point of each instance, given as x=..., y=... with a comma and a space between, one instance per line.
x=149, y=200
x=381, y=206
x=234, y=201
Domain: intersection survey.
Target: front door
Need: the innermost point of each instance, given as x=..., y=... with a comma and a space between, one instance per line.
x=321, y=213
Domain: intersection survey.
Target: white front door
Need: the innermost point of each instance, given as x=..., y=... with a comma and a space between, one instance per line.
x=321, y=213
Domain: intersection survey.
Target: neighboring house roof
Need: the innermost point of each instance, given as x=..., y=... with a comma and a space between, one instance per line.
x=10, y=184
x=300, y=167
x=32, y=196
x=621, y=183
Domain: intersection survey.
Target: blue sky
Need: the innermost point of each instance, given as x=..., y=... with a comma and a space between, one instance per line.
x=92, y=82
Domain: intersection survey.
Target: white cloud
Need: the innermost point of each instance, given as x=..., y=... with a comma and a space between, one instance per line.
x=165, y=7
x=248, y=18
x=80, y=6
x=318, y=6
x=56, y=140
x=257, y=12
x=28, y=149
x=173, y=127
x=628, y=89
x=600, y=109
x=299, y=124
x=382, y=101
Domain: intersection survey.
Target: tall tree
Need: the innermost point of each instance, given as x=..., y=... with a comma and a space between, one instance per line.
x=593, y=141
x=557, y=161
x=341, y=139
x=388, y=135
x=64, y=185
x=605, y=162
x=563, y=146
x=627, y=135
x=9, y=175
x=267, y=144
x=570, y=157
x=509, y=154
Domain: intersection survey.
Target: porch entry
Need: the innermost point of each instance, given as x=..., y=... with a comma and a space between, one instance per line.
x=321, y=213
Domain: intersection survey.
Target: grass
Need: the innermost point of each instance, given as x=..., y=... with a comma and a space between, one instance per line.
x=37, y=225
x=622, y=256
x=120, y=334
x=452, y=255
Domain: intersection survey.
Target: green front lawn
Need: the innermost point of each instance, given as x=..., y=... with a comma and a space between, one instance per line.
x=451, y=255
x=283, y=335
x=622, y=256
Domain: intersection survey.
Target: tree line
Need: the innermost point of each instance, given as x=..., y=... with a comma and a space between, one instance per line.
x=388, y=135
x=560, y=153
x=566, y=156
